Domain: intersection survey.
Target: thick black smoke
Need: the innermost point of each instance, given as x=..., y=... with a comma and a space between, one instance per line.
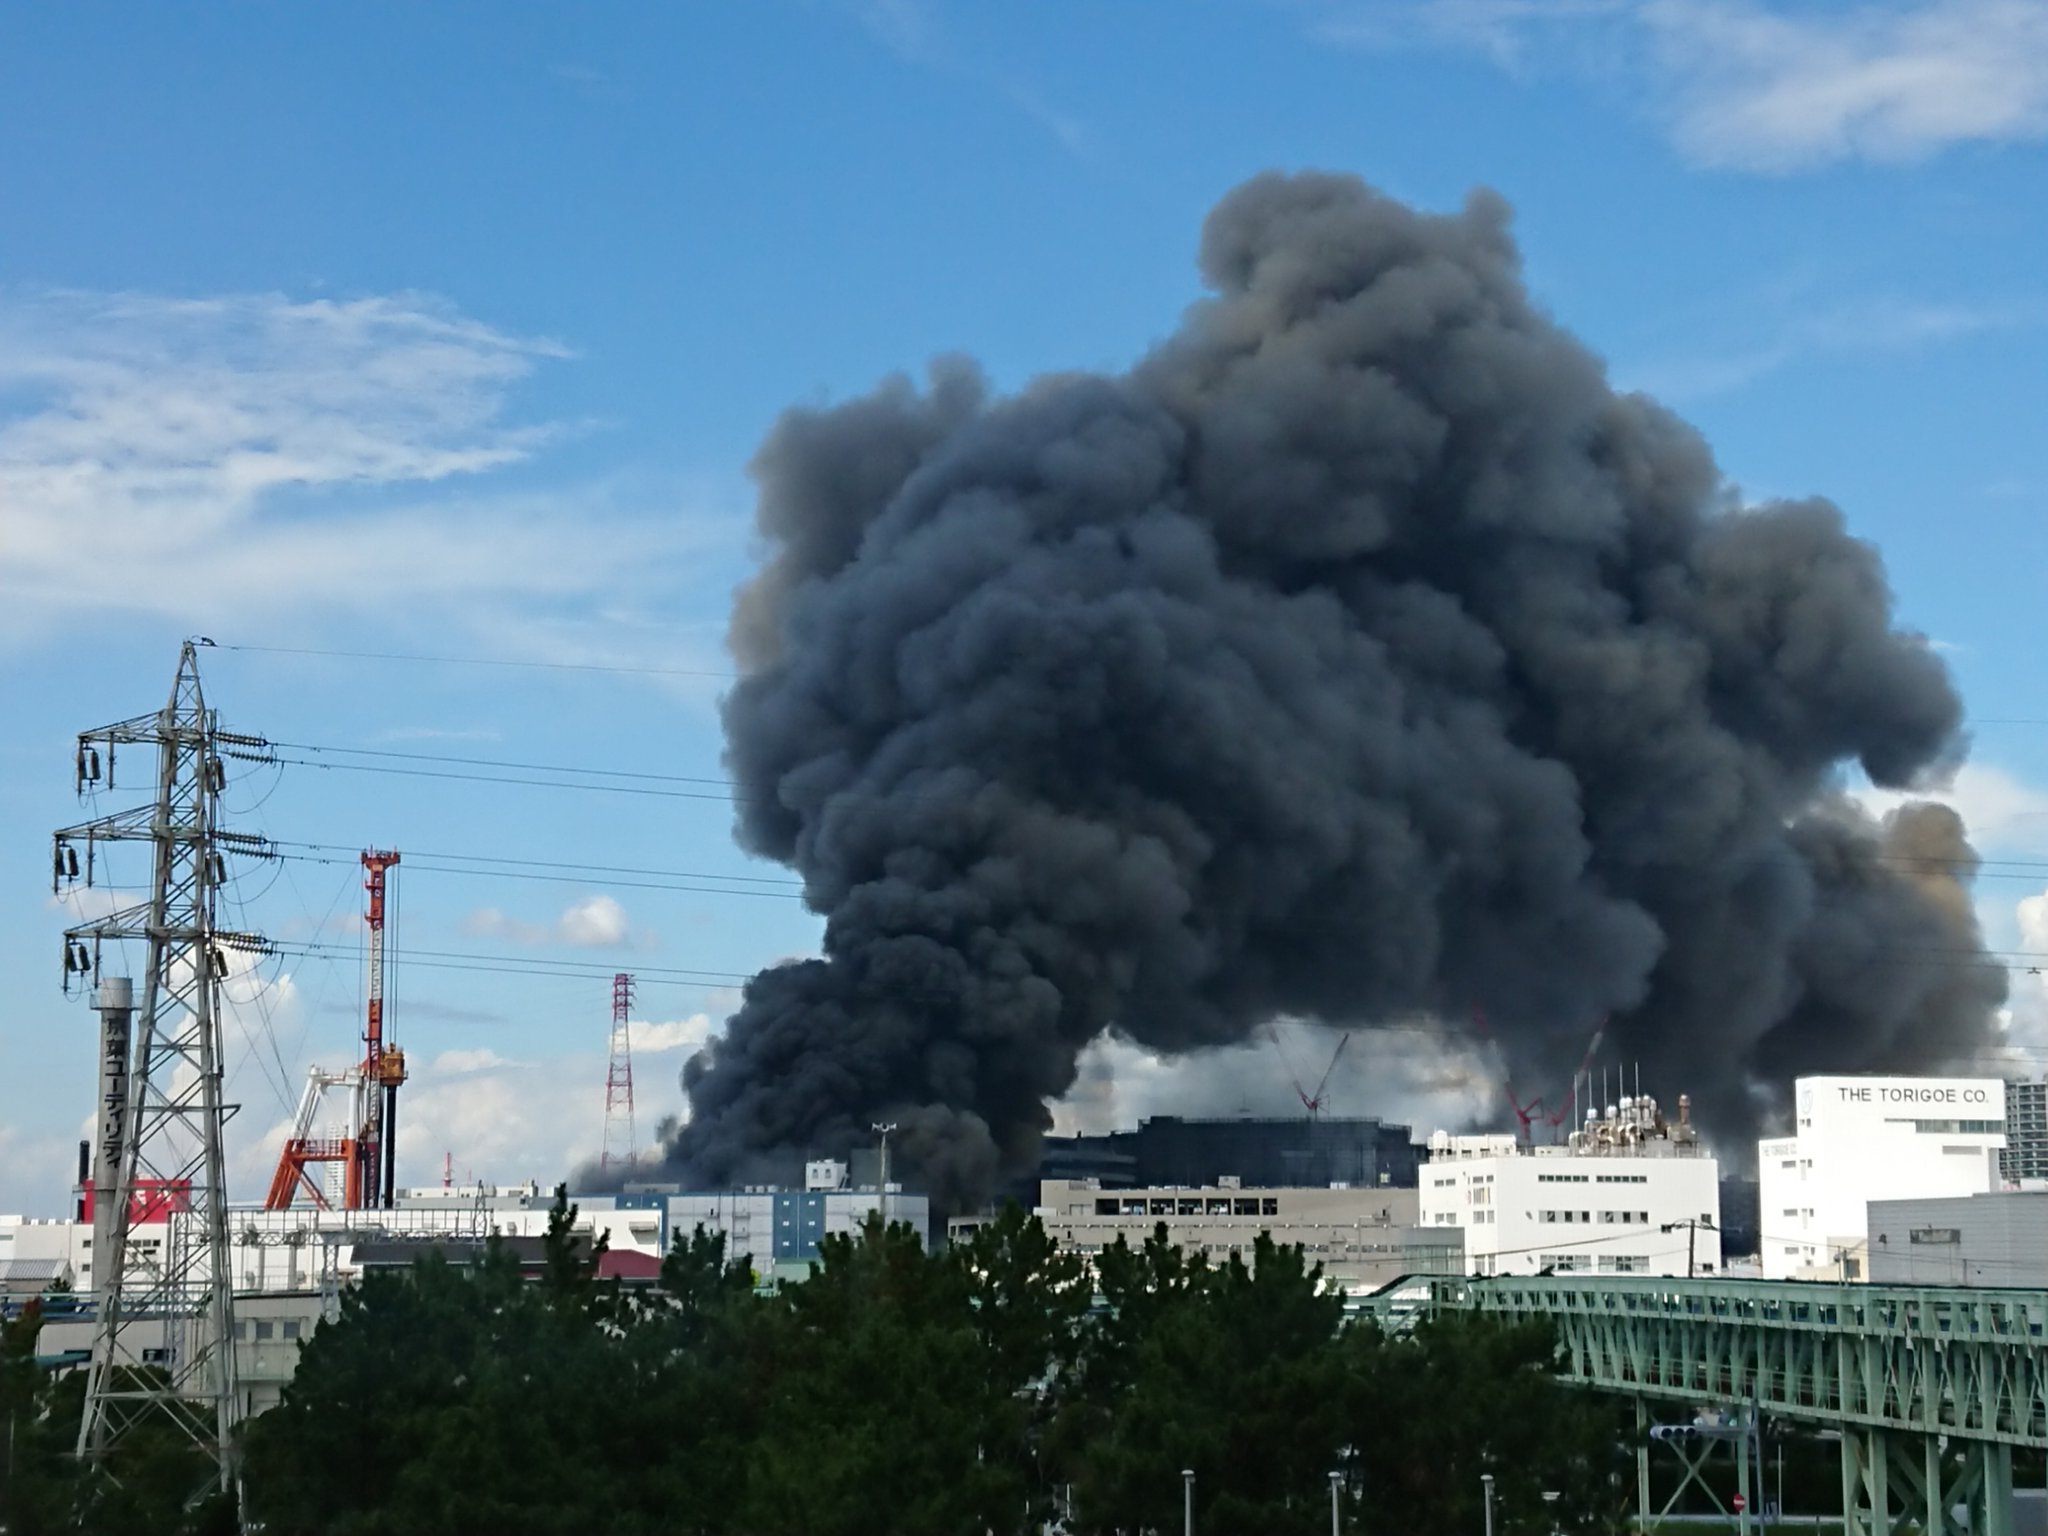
x=1360, y=651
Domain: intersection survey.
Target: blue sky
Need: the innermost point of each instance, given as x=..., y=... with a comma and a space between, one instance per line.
x=448, y=331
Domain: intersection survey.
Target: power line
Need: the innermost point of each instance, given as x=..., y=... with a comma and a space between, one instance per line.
x=573, y=879
x=608, y=869
x=516, y=964
x=493, y=762
x=482, y=661
x=480, y=778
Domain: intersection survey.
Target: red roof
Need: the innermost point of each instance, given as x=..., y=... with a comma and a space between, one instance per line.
x=626, y=1264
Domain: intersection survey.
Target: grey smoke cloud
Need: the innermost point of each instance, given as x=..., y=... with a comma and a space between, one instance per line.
x=1358, y=653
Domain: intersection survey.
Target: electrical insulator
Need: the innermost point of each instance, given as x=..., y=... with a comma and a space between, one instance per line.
x=216, y=774
x=92, y=765
x=219, y=962
x=57, y=867
x=71, y=861
x=219, y=869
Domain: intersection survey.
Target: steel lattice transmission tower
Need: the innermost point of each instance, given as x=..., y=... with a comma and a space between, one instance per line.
x=163, y=1335
x=618, y=1082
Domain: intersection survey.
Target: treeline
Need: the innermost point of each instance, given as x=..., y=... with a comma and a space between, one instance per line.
x=977, y=1389
x=992, y=1387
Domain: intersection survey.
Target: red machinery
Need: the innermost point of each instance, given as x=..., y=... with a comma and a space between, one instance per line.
x=368, y=1151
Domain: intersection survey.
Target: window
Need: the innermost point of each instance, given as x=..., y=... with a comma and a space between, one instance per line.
x=291, y=1327
x=264, y=1329
x=1269, y=1206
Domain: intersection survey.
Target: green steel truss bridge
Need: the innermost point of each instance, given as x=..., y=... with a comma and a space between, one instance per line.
x=1930, y=1388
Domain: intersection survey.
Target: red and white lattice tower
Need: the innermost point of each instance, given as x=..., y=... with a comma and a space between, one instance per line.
x=618, y=1082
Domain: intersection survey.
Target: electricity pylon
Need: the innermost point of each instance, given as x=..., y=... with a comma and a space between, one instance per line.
x=617, y=1149
x=163, y=1332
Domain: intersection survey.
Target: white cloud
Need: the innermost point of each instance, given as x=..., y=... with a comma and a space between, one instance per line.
x=1749, y=85
x=649, y=1037
x=594, y=922
x=482, y=1059
x=1763, y=90
x=1415, y=1071
x=252, y=453
x=2000, y=810
x=31, y=1167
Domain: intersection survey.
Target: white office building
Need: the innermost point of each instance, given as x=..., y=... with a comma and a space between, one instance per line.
x=1627, y=1194
x=1859, y=1139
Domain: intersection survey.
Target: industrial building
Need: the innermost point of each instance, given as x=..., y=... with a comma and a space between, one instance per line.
x=780, y=1229
x=1995, y=1239
x=1296, y=1152
x=1860, y=1139
x=1363, y=1238
x=1627, y=1193
x=2025, y=1158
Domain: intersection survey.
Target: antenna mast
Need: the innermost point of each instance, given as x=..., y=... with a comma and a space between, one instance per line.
x=163, y=1331
x=618, y=1082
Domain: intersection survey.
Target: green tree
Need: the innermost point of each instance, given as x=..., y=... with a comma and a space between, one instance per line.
x=1463, y=1395
x=35, y=1475
x=882, y=1412
x=1227, y=1371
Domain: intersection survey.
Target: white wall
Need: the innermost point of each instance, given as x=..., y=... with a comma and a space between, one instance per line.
x=1859, y=1139
x=1525, y=1212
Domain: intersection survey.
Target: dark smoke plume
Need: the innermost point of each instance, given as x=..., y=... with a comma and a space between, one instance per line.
x=1360, y=651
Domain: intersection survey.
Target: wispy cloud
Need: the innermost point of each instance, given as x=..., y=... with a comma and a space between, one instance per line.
x=1870, y=326
x=911, y=30
x=254, y=454
x=1749, y=85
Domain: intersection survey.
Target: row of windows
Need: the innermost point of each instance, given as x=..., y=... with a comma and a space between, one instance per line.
x=1190, y=1205
x=263, y=1330
x=1621, y=1178
x=1608, y=1264
x=1951, y=1127
x=1587, y=1216
x=1561, y=1178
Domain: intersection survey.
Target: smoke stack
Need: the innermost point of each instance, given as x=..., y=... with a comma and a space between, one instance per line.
x=1358, y=653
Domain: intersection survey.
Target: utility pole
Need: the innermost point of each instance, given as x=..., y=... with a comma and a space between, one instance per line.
x=883, y=1193
x=1692, y=1227
x=617, y=1147
x=164, y=1328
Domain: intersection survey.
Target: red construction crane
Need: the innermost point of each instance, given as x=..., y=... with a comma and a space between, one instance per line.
x=1525, y=1114
x=1312, y=1102
x=368, y=1152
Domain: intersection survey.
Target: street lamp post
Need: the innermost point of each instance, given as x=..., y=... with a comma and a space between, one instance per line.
x=1187, y=1502
x=1486, y=1487
x=1336, y=1489
x=1550, y=1498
